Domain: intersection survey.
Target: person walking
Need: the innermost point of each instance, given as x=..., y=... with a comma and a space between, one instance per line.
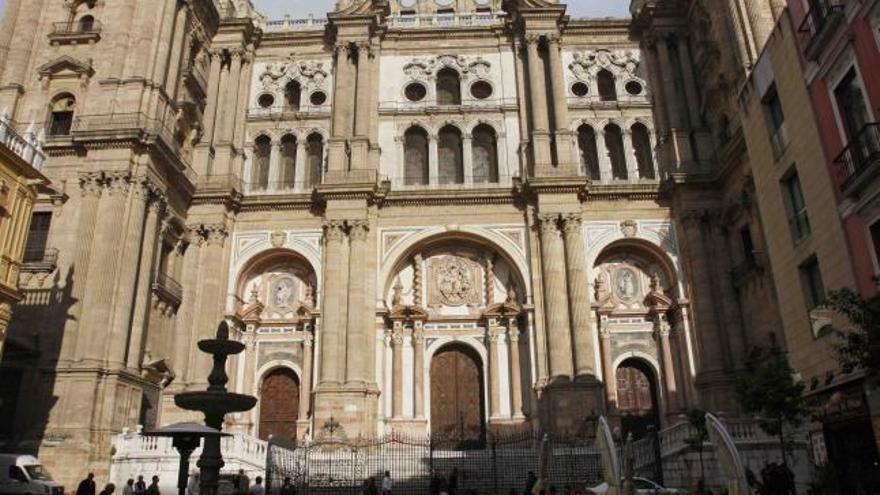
x=128, y=489
x=109, y=488
x=86, y=486
x=153, y=489
x=287, y=487
x=140, y=487
x=387, y=484
x=242, y=483
x=258, y=488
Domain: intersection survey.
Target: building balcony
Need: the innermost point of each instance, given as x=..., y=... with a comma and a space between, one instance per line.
x=39, y=260
x=75, y=32
x=456, y=183
x=288, y=24
x=279, y=113
x=27, y=147
x=168, y=290
x=818, y=27
x=857, y=164
x=279, y=187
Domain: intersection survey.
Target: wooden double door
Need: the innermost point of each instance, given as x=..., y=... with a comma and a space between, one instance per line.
x=636, y=399
x=457, y=398
x=279, y=404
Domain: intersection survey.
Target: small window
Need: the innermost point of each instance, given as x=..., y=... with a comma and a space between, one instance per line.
x=811, y=280
x=318, y=98
x=448, y=87
x=775, y=121
x=607, y=85
x=481, y=90
x=580, y=89
x=408, y=12
x=415, y=92
x=38, y=236
x=61, y=120
x=795, y=207
x=634, y=88
x=748, y=246
x=86, y=24
x=266, y=100
x=292, y=95
x=851, y=105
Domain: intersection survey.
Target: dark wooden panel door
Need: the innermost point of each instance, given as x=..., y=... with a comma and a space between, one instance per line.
x=457, y=406
x=279, y=405
x=635, y=400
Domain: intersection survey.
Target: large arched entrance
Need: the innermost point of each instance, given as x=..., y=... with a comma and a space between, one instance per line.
x=457, y=404
x=279, y=404
x=636, y=398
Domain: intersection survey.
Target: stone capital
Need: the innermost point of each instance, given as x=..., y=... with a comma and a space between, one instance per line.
x=572, y=223
x=91, y=184
x=117, y=183
x=358, y=229
x=532, y=38
x=397, y=337
x=548, y=223
x=216, y=234
x=334, y=230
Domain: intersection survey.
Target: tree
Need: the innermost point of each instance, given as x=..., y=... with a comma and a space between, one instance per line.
x=768, y=388
x=860, y=347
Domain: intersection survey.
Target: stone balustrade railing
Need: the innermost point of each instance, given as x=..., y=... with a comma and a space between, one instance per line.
x=477, y=19
x=29, y=147
x=287, y=24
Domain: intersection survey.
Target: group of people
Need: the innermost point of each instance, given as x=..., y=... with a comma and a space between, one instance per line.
x=132, y=487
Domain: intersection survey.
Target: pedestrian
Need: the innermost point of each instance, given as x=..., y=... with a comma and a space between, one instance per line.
x=192, y=488
x=258, y=488
x=153, y=489
x=242, y=483
x=128, y=489
x=87, y=486
x=452, y=485
x=531, y=481
x=387, y=483
x=140, y=487
x=287, y=487
x=109, y=488
x=370, y=487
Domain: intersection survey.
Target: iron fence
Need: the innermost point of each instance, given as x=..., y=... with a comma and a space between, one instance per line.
x=497, y=465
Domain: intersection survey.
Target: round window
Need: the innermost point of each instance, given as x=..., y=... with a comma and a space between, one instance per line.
x=318, y=98
x=415, y=92
x=580, y=89
x=634, y=88
x=266, y=100
x=481, y=90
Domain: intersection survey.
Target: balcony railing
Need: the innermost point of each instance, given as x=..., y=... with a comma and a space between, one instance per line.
x=288, y=24
x=456, y=182
x=286, y=113
x=816, y=28
x=167, y=289
x=29, y=147
x=479, y=19
x=39, y=259
x=861, y=154
x=280, y=187
x=76, y=31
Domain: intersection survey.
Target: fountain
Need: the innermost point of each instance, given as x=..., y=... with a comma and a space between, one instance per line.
x=215, y=403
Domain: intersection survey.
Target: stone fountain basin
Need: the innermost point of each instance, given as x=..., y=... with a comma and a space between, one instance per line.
x=211, y=402
x=220, y=346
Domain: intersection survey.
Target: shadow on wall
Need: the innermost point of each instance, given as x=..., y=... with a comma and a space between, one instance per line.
x=32, y=350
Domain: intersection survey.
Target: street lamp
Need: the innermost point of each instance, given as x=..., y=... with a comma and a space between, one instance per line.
x=185, y=437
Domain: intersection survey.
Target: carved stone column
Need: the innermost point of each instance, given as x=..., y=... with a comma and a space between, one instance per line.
x=632, y=164
x=132, y=244
x=345, y=91
x=397, y=371
x=305, y=389
x=211, y=294
x=538, y=96
x=606, y=172
x=418, y=340
x=690, y=85
x=209, y=119
x=555, y=300
x=183, y=331
x=333, y=324
x=358, y=328
x=608, y=372
x=681, y=147
x=579, y=302
x=92, y=341
x=515, y=372
x=661, y=333
x=494, y=334
x=560, y=103
x=276, y=171
x=145, y=280
x=468, y=159
x=433, y=161
x=364, y=89
x=91, y=187
x=300, y=166
x=221, y=115
x=230, y=92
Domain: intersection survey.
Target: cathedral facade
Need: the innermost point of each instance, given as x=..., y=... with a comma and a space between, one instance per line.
x=424, y=216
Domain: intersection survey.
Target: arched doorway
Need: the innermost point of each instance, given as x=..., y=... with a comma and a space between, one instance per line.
x=279, y=404
x=636, y=398
x=457, y=404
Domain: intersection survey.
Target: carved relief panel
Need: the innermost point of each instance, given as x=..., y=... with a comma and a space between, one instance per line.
x=281, y=290
x=624, y=280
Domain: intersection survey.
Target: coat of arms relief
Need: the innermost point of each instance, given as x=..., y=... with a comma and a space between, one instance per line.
x=454, y=281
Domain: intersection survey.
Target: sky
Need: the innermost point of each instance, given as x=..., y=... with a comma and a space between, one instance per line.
x=275, y=9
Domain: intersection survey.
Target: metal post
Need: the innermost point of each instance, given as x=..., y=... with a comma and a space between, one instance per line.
x=494, y=467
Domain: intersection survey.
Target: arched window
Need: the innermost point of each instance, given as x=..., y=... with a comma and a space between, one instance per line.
x=607, y=86
x=288, y=161
x=450, y=156
x=589, y=151
x=86, y=24
x=415, y=160
x=448, y=87
x=260, y=169
x=314, y=159
x=292, y=95
x=641, y=142
x=614, y=143
x=485, y=154
x=61, y=118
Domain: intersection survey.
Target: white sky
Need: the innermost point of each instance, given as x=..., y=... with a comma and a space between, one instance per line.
x=275, y=9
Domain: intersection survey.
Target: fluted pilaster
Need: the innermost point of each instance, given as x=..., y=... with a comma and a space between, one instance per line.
x=334, y=297
x=579, y=302
x=555, y=302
